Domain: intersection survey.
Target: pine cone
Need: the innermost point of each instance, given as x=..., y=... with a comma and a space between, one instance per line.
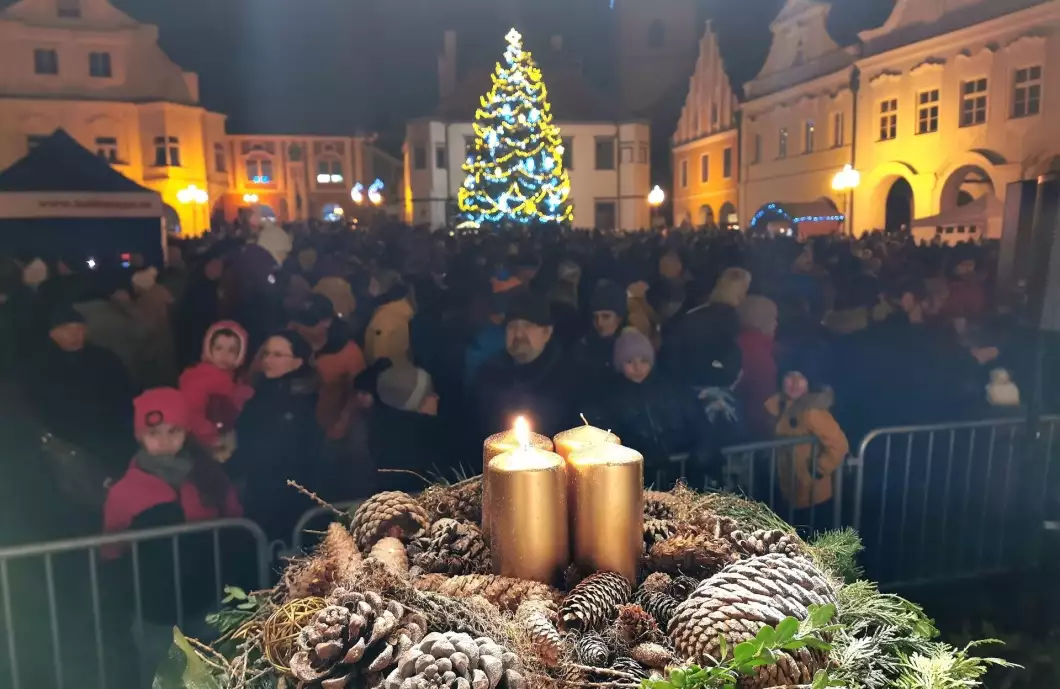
x=692, y=555
x=682, y=587
x=539, y=619
x=659, y=505
x=594, y=602
x=456, y=661
x=356, y=636
x=792, y=668
x=657, y=581
x=765, y=542
x=461, y=501
x=656, y=530
x=655, y=656
x=592, y=650
x=453, y=548
x=631, y=667
x=713, y=525
x=504, y=592
x=391, y=513
x=659, y=605
x=739, y=600
x=391, y=552
x=634, y=626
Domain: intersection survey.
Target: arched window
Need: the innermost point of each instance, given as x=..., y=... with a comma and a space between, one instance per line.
x=656, y=34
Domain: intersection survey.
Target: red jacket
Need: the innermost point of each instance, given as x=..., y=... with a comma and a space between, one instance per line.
x=138, y=491
x=205, y=380
x=758, y=382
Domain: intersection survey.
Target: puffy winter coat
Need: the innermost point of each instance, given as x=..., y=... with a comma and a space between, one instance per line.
x=387, y=335
x=205, y=385
x=808, y=416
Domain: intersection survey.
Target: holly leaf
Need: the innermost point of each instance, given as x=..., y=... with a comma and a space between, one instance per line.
x=786, y=631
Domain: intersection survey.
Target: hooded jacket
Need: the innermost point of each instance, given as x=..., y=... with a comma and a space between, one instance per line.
x=803, y=483
x=207, y=387
x=387, y=335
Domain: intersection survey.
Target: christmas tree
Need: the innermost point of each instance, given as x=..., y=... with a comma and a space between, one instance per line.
x=515, y=171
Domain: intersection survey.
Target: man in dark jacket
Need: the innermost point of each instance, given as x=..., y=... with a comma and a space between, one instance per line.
x=532, y=377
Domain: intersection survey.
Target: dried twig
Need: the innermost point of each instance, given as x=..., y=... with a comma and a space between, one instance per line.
x=406, y=471
x=205, y=654
x=316, y=498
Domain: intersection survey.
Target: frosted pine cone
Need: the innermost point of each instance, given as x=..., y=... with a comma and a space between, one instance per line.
x=391, y=513
x=594, y=602
x=456, y=661
x=504, y=592
x=765, y=542
x=592, y=650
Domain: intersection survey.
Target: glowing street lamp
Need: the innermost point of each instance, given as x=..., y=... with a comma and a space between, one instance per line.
x=846, y=179
x=357, y=193
x=250, y=199
x=656, y=197
x=375, y=192
x=193, y=194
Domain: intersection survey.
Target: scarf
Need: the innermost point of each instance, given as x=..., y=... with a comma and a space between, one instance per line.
x=173, y=469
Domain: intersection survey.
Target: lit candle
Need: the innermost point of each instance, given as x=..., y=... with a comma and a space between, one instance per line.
x=497, y=444
x=607, y=508
x=529, y=537
x=582, y=437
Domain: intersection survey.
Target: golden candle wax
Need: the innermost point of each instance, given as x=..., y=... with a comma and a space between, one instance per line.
x=582, y=437
x=499, y=443
x=529, y=537
x=606, y=484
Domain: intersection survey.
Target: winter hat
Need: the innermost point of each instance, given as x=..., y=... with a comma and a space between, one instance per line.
x=609, y=297
x=236, y=329
x=339, y=292
x=569, y=271
x=160, y=405
x=731, y=288
x=404, y=387
x=63, y=314
x=758, y=313
x=273, y=239
x=530, y=307
x=312, y=310
x=35, y=273
x=630, y=345
x=144, y=280
x=300, y=349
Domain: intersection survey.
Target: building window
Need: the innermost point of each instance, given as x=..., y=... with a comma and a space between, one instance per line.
x=99, y=65
x=626, y=153
x=419, y=157
x=107, y=148
x=568, y=153
x=642, y=154
x=259, y=170
x=167, y=151
x=809, y=136
x=838, y=122
x=782, y=148
x=756, y=153
x=329, y=171
x=656, y=34
x=684, y=174
x=704, y=168
x=726, y=163
x=605, y=153
x=219, y=163
x=439, y=157
x=34, y=140
x=927, y=112
x=973, y=102
x=889, y=119
x=68, y=9
x=1027, y=92
x=713, y=114
x=45, y=61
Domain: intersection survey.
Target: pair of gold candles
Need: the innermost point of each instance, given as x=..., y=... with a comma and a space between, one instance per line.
x=541, y=508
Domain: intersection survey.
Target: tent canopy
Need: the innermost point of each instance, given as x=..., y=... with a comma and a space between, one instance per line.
x=975, y=213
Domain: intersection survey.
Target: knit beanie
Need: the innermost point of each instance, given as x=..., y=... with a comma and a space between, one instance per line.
x=160, y=405
x=758, y=313
x=404, y=387
x=630, y=345
x=530, y=307
x=609, y=297
x=273, y=239
x=63, y=314
x=731, y=288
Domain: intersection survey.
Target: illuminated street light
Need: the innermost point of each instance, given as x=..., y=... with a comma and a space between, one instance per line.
x=656, y=197
x=375, y=192
x=193, y=194
x=250, y=199
x=357, y=193
x=846, y=179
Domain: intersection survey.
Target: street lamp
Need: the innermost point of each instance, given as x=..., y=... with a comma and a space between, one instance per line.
x=375, y=192
x=193, y=194
x=357, y=193
x=845, y=182
x=250, y=199
x=656, y=197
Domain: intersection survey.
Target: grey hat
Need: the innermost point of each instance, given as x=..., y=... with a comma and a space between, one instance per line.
x=404, y=387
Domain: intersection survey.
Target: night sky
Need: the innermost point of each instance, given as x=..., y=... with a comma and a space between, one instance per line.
x=341, y=66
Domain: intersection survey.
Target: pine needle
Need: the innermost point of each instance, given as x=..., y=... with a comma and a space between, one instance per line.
x=750, y=515
x=837, y=552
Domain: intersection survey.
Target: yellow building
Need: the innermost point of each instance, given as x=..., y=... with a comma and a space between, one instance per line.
x=941, y=107
x=96, y=72
x=705, y=145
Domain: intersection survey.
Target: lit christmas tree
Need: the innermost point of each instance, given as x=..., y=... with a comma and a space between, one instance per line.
x=515, y=171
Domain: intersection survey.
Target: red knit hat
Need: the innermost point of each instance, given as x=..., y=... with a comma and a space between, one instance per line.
x=160, y=405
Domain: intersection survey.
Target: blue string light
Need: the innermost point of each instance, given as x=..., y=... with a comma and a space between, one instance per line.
x=776, y=208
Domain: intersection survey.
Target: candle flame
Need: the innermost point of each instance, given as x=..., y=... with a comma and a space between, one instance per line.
x=522, y=432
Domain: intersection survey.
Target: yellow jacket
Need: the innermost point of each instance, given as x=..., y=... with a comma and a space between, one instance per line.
x=387, y=335
x=808, y=416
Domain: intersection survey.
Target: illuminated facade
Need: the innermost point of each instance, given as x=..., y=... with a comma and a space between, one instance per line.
x=940, y=108
x=92, y=70
x=706, y=145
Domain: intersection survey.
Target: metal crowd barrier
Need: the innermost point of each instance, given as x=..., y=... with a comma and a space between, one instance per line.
x=952, y=501
x=75, y=609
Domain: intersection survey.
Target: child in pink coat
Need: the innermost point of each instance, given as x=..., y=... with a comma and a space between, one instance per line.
x=215, y=398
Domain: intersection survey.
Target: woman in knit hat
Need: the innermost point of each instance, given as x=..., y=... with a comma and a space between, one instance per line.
x=406, y=433
x=648, y=411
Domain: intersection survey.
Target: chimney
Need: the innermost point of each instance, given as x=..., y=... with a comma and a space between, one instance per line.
x=447, y=66
x=557, y=43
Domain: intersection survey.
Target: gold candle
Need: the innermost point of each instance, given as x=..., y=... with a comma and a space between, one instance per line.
x=499, y=443
x=529, y=537
x=582, y=437
x=607, y=508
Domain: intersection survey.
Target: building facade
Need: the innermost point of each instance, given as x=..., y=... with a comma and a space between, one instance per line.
x=706, y=145
x=941, y=107
x=84, y=66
